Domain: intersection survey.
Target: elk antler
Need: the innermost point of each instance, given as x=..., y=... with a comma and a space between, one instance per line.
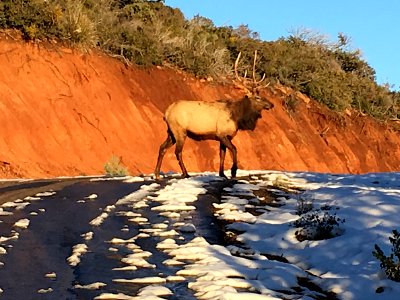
x=242, y=80
x=256, y=83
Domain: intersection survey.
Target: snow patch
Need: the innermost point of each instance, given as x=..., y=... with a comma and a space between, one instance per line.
x=91, y=286
x=77, y=251
x=22, y=223
x=144, y=280
x=99, y=220
x=154, y=290
x=51, y=275
x=91, y=197
x=45, y=194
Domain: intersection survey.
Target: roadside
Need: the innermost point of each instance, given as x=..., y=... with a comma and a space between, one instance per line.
x=11, y=190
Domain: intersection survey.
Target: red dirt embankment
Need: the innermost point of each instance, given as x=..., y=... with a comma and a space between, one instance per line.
x=63, y=112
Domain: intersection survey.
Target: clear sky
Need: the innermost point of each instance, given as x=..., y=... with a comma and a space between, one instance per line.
x=373, y=26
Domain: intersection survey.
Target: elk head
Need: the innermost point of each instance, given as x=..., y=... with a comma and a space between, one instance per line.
x=253, y=87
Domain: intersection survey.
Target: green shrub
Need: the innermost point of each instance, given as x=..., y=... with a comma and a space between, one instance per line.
x=35, y=19
x=149, y=33
x=114, y=167
x=75, y=24
x=390, y=264
x=197, y=49
x=304, y=204
x=318, y=226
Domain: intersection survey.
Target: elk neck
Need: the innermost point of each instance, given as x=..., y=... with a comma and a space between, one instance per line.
x=244, y=113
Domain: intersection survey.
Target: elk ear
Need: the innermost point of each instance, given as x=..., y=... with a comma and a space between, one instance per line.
x=249, y=94
x=247, y=98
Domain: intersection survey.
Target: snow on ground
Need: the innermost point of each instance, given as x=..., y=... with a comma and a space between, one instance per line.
x=211, y=270
x=77, y=251
x=370, y=205
x=23, y=223
x=92, y=286
x=267, y=260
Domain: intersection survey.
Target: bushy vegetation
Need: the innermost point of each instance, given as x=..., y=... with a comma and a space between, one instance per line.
x=151, y=33
x=304, y=204
x=114, y=167
x=390, y=264
x=318, y=225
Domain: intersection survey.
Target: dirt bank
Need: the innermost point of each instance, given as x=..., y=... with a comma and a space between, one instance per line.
x=64, y=112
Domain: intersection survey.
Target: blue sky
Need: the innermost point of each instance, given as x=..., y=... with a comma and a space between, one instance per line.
x=373, y=26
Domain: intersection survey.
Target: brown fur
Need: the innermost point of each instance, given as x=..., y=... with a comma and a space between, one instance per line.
x=244, y=114
x=218, y=120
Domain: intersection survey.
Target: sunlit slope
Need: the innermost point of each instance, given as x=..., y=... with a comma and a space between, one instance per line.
x=64, y=112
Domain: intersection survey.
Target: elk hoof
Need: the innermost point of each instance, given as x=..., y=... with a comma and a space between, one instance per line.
x=185, y=175
x=222, y=174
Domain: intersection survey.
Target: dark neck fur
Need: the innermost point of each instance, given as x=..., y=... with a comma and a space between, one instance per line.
x=244, y=114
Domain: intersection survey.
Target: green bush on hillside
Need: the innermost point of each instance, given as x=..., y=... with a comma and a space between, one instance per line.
x=196, y=49
x=151, y=33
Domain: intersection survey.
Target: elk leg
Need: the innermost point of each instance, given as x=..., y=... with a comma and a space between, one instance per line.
x=222, y=151
x=178, y=153
x=163, y=148
x=228, y=143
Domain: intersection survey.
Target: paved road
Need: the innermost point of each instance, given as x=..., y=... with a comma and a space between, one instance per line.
x=36, y=260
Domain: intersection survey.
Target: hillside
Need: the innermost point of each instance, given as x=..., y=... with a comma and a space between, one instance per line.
x=64, y=112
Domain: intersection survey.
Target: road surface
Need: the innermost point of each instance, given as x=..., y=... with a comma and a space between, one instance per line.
x=42, y=221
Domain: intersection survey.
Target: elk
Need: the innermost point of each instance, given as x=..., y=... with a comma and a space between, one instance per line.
x=219, y=120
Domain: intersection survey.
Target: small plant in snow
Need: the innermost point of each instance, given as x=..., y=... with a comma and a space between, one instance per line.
x=390, y=264
x=279, y=182
x=114, y=167
x=282, y=183
x=304, y=204
x=318, y=226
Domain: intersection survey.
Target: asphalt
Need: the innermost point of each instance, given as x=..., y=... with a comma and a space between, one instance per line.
x=61, y=220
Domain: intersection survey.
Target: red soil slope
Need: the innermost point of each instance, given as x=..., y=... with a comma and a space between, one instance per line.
x=63, y=112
